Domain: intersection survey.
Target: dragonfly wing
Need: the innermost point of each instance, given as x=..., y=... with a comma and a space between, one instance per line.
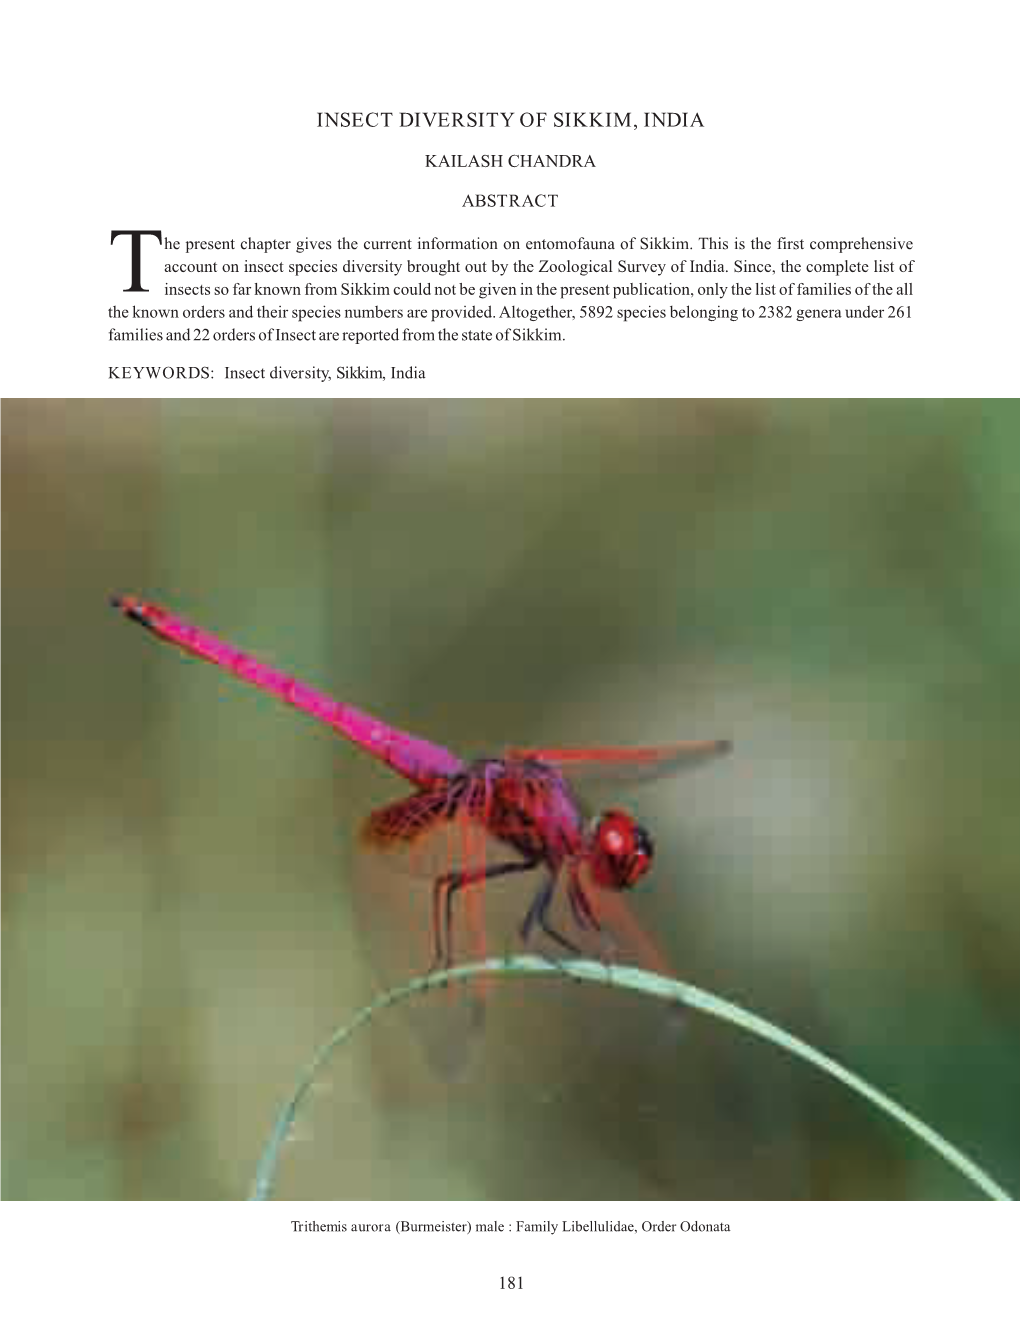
x=621, y=939
x=626, y=764
x=405, y=821
x=406, y=853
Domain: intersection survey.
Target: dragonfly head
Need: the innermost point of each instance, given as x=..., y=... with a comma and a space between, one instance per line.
x=621, y=850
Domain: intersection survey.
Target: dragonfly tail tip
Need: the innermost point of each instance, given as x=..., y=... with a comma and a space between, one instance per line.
x=129, y=606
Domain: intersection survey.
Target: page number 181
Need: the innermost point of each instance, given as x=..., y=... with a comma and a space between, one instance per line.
x=511, y=1283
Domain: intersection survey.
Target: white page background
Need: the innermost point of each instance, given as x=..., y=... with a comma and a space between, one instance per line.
x=887, y=120
x=199, y=119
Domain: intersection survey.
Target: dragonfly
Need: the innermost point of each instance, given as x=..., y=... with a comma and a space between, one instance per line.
x=524, y=799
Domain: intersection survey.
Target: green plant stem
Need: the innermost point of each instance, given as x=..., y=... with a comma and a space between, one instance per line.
x=634, y=980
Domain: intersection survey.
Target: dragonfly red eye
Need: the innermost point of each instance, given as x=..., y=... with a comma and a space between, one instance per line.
x=614, y=841
x=623, y=849
x=614, y=833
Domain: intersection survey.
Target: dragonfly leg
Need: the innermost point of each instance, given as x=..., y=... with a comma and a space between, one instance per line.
x=580, y=907
x=538, y=913
x=443, y=890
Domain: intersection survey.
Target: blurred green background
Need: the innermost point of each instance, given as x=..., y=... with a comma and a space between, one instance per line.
x=833, y=584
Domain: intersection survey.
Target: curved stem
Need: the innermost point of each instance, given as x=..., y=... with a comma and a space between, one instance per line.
x=634, y=980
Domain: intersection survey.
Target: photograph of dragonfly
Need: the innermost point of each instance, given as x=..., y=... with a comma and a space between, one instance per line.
x=722, y=692
x=522, y=799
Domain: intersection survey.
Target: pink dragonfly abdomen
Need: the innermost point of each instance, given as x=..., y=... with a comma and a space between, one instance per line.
x=420, y=762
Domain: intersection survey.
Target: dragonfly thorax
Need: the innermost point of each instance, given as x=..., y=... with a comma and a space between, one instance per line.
x=525, y=803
